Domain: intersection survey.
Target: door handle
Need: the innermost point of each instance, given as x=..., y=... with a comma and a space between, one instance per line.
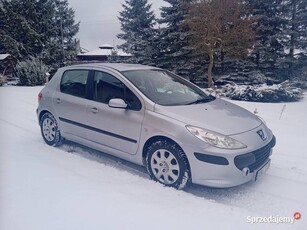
x=94, y=110
x=58, y=100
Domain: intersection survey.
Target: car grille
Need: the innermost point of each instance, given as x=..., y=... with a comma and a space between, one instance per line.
x=255, y=159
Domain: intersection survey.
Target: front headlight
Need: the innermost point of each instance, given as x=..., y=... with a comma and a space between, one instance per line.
x=215, y=139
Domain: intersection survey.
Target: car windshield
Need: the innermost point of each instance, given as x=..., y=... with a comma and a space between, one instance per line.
x=165, y=88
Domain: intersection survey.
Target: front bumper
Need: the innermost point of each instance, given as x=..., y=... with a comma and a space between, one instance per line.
x=227, y=169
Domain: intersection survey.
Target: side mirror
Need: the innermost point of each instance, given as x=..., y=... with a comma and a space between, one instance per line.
x=117, y=103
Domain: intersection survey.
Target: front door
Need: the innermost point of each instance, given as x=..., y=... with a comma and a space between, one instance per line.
x=114, y=128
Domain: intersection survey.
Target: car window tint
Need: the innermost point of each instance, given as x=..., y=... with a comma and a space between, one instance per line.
x=107, y=87
x=74, y=82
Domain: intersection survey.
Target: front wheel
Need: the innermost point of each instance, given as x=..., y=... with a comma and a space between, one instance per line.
x=167, y=163
x=50, y=130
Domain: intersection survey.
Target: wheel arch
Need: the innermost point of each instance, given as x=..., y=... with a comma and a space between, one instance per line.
x=41, y=113
x=57, y=137
x=155, y=139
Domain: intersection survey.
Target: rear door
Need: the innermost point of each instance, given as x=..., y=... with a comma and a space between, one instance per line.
x=70, y=102
x=114, y=128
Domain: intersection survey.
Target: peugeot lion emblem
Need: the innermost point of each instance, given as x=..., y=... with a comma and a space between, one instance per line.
x=262, y=135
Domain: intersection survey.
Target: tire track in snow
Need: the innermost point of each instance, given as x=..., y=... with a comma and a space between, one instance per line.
x=10, y=124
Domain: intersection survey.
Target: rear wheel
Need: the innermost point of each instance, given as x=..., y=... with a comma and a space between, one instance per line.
x=50, y=130
x=167, y=163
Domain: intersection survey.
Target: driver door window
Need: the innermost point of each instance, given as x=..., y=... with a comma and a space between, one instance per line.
x=107, y=87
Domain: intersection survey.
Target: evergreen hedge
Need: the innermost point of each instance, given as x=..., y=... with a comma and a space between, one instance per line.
x=31, y=72
x=283, y=92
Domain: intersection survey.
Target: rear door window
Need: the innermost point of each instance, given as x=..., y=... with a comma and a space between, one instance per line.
x=74, y=82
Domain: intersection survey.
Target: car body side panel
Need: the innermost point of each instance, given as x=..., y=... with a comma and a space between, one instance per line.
x=71, y=111
x=116, y=128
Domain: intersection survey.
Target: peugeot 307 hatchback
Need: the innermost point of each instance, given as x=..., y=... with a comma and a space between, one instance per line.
x=152, y=117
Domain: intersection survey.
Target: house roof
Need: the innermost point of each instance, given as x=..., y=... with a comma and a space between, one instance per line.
x=117, y=66
x=106, y=46
x=105, y=50
x=4, y=56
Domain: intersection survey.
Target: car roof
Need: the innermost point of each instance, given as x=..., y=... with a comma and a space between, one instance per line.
x=117, y=66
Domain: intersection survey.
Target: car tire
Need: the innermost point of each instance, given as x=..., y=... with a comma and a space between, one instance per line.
x=50, y=130
x=167, y=164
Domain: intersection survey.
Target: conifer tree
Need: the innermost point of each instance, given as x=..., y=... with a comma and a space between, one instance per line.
x=295, y=31
x=281, y=45
x=43, y=29
x=175, y=52
x=268, y=49
x=137, y=21
x=61, y=46
x=22, y=23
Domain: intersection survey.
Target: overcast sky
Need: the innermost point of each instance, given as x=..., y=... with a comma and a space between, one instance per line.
x=98, y=20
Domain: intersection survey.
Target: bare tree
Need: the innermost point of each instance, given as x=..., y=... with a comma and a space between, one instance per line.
x=220, y=25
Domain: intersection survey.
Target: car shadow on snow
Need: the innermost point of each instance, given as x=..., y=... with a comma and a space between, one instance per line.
x=220, y=195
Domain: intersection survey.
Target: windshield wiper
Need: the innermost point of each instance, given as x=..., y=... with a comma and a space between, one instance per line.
x=199, y=101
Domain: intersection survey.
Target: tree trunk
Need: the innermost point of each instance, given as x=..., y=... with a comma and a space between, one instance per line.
x=222, y=61
x=293, y=29
x=258, y=59
x=210, y=82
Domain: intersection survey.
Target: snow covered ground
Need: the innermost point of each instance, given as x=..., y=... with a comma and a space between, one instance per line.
x=74, y=187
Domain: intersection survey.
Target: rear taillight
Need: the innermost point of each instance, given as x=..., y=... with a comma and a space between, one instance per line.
x=40, y=97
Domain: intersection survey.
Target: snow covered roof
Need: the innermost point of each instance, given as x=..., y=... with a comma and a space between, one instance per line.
x=83, y=50
x=118, y=66
x=4, y=56
x=105, y=50
x=106, y=46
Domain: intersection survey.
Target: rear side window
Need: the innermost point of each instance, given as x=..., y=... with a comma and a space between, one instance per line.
x=74, y=82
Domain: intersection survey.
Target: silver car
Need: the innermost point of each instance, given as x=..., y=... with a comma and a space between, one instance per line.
x=152, y=117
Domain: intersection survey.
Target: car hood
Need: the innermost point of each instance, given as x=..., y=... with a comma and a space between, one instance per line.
x=218, y=115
